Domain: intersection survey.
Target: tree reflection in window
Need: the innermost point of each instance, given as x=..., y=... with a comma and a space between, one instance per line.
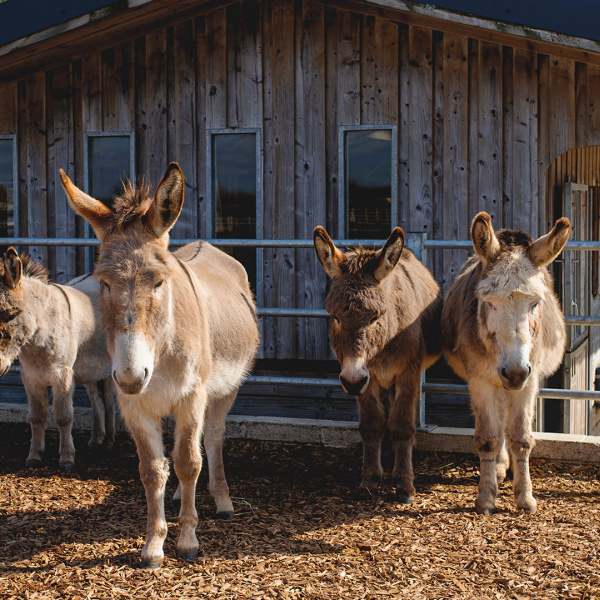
x=109, y=165
x=234, y=194
x=7, y=190
x=368, y=183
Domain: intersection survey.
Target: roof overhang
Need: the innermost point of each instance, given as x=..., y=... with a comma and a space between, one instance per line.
x=128, y=19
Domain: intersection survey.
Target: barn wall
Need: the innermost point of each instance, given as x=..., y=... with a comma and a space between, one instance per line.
x=479, y=124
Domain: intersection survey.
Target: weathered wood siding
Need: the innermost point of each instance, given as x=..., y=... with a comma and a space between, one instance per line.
x=479, y=123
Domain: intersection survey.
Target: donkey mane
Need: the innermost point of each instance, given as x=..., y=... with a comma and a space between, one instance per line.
x=34, y=269
x=361, y=258
x=131, y=205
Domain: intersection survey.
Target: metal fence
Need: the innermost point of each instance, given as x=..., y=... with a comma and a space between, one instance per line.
x=416, y=242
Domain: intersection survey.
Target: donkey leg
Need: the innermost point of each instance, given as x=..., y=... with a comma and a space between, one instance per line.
x=214, y=434
x=37, y=397
x=487, y=441
x=62, y=405
x=187, y=460
x=521, y=442
x=98, y=414
x=502, y=461
x=371, y=424
x=110, y=402
x=154, y=472
x=401, y=425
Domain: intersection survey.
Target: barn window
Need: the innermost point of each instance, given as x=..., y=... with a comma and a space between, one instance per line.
x=109, y=159
x=234, y=184
x=368, y=194
x=8, y=186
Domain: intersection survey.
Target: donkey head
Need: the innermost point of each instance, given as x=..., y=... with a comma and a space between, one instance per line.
x=357, y=302
x=513, y=292
x=135, y=294
x=11, y=307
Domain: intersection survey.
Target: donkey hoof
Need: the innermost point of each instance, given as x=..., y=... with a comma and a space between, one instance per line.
x=527, y=504
x=33, y=463
x=364, y=493
x=95, y=444
x=151, y=563
x=403, y=497
x=189, y=554
x=66, y=467
x=224, y=515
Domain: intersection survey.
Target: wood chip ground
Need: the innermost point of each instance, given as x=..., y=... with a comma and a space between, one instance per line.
x=298, y=531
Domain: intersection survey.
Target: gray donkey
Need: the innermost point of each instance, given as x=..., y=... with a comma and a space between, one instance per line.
x=55, y=332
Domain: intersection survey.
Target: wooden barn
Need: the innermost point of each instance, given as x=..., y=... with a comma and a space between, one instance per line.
x=358, y=115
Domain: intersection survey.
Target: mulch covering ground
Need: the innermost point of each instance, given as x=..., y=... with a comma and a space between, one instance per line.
x=298, y=531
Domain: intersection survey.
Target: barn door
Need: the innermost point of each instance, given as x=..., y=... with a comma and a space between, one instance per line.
x=576, y=302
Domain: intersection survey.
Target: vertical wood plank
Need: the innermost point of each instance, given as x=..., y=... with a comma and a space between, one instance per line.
x=109, y=91
x=490, y=131
x=170, y=96
x=472, y=200
x=581, y=108
x=63, y=142
x=201, y=138
x=593, y=106
x=124, y=87
x=455, y=150
x=437, y=184
x=332, y=117
x=348, y=67
x=544, y=161
x=251, y=111
x=141, y=112
x=92, y=92
x=279, y=264
x=37, y=198
x=156, y=105
x=8, y=112
x=234, y=98
x=310, y=181
x=403, y=127
x=184, y=52
x=421, y=129
x=216, y=69
x=524, y=155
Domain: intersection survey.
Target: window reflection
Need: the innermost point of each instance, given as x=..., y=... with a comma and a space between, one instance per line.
x=234, y=194
x=109, y=165
x=7, y=201
x=368, y=183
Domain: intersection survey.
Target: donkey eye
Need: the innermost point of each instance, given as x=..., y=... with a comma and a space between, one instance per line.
x=492, y=306
x=105, y=286
x=336, y=319
x=158, y=285
x=374, y=319
x=534, y=308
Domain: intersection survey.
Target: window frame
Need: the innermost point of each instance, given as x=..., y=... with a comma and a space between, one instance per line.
x=15, y=176
x=211, y=213
x=342, y=207
x=100, y=134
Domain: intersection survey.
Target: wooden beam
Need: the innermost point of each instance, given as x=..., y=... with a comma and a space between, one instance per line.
x=517, y=36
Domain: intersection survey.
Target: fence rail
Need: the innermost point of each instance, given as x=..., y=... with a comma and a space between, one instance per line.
x=587, y=320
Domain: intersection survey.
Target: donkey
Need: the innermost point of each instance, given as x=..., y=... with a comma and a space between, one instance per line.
x=182, y=333
x=55, y=332
x=503, y=331
x=385, y=329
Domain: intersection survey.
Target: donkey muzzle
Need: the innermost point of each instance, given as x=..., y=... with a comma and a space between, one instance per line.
x=354, y=388
x=514, y=377
x=130, y=382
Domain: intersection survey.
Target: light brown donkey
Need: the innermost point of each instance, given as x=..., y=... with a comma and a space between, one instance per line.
x=55, y=332
x=385, y=311
x=182, y=333
x=503, y=331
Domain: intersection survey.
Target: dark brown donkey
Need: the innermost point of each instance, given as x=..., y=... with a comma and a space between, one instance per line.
x=385, y=311
x=182, y=335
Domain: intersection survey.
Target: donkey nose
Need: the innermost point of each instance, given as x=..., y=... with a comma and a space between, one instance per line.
x=130, y=382
x=354, y=388
x=514, y=377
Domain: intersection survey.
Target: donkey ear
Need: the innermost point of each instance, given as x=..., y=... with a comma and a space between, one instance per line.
x=545, y=249
x=389, y=255
x=485, y=242
x=93, y=211
x=329, y=256
x=13, y=268
x=168, y=201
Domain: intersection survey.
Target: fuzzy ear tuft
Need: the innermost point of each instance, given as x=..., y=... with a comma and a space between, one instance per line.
x=330, y=257
x=93, y=211
x=13, y=269
x=546, y=248
x=389, y=255
x=168, y=201
x=485, y=242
